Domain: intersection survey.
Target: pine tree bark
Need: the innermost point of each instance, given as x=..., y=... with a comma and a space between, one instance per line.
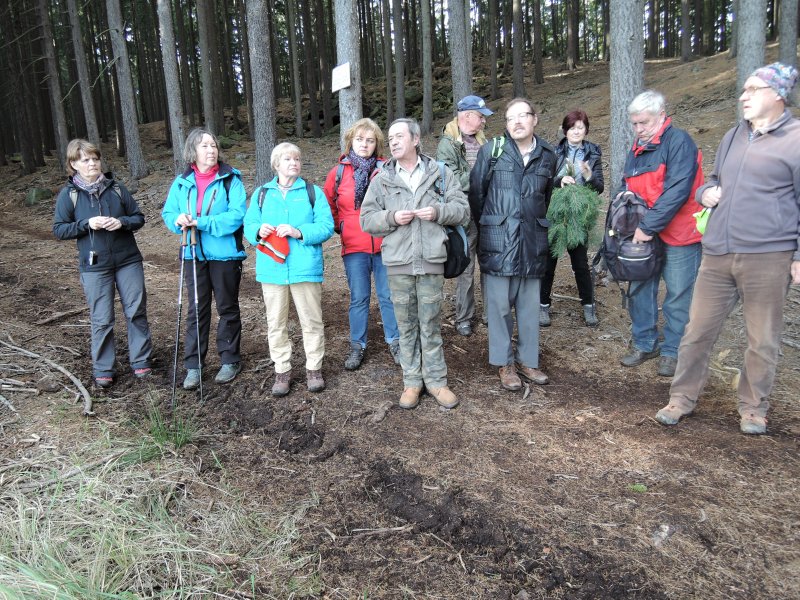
x=310, y=69
x=347, y=50
x=263, y=89
x=626, y=76
x=751, y=38
x=175, y=114
x=686, y=33
x=205, y=14
x=538, y=72
x=787, y=33
x=297, y=83
x=325, y=65
x=56, y=104
x=92, y=132
x=493, y=42
x=572, y=34
x=136, y=162
x=518, y=43
x=399, y=59
x=462, y=78
x=427, y=67
x=387, y=61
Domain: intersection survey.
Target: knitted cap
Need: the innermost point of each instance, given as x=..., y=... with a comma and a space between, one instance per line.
x=779, y=77
x=275, y=247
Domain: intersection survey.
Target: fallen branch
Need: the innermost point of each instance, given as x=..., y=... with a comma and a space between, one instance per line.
x=87, y=399
x=61, y=315
x=381, y=530
x=791, y=343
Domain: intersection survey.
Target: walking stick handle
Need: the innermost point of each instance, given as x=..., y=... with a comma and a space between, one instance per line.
x=183, y=237
x=193, y=236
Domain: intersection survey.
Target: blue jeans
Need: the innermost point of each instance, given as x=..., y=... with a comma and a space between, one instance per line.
x=679, y=273
x=359, y=266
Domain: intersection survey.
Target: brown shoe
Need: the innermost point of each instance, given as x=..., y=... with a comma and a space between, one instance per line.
x=533, y=375
x=444, y=397
x=282, y=384
x=410, y=397
x=315, y=381
x=509, y=380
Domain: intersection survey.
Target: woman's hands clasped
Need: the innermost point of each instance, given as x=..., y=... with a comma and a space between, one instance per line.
x=282, y=230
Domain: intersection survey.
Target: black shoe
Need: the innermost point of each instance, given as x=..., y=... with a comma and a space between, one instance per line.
x=637, y=357
x=544, y=315
x=666, y=366
x=353, y=360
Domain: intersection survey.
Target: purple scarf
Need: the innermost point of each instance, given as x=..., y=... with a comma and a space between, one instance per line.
x=362, y=169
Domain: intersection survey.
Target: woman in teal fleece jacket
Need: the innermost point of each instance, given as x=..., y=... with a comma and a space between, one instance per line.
x=281, y=211
x=210, y=197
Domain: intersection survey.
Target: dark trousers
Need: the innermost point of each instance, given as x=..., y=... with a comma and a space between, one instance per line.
x=583, y=275
x=222, y=278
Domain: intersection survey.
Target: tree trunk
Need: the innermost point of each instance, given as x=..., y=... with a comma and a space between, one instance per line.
x=297, y=83
x=263, y=92
x=626, y=77
x=387, y=61
x=462, y=78
x=325, y=64
x=686, y=33
x=136, y=162
x=538, y=72
x=519, y=73
x=427, y=67
x=347, y=50
x=205, y=16
x=399, y=59
x=92, y=133
x=56, y=104
x=311, y=71
x=572, y=34
x=175, y=114
x=787, y=33
x=751, y=38
x=493, y=53
x=468, y=36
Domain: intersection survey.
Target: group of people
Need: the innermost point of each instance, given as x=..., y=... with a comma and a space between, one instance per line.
x=392, y=214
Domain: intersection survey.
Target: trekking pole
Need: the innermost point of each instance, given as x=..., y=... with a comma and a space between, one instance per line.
x=178, y=325
x=193, y=246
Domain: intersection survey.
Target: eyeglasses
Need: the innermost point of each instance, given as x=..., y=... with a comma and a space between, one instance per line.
x=519, y=118
x=751, y=90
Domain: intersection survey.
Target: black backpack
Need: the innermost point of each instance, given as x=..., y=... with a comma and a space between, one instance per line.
x=625, y=260
x=457, y=245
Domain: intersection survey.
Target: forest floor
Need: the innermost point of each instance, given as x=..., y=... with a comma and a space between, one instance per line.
x=570, y=490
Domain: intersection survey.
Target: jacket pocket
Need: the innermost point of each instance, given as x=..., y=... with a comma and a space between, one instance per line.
x=493, y=233
x=540, y=236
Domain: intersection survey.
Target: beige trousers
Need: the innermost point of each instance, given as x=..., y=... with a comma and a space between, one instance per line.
x=307, y=298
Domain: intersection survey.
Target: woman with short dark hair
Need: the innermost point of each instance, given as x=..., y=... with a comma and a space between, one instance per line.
x=101, y=215
x=209, y=196
x=578, y=162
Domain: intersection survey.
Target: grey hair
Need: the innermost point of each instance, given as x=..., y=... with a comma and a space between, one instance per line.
x=281, y=149
x=192, y=140
x=649, y=101
x=413, y=129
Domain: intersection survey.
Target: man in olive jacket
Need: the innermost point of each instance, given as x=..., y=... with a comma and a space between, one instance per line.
x=408, y=203
x=458, y=149
x=509, y=196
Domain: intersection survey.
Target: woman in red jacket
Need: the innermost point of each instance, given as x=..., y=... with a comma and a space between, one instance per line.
x=345, y=187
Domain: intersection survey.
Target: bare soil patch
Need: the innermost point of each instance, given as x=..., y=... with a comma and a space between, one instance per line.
x=570, y=490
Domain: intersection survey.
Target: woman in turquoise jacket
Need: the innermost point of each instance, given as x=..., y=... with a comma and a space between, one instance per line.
x=288, y=220
x=210, y=197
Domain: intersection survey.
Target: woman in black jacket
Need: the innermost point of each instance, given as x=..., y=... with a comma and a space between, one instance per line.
x=102, y=215
x=578, y=163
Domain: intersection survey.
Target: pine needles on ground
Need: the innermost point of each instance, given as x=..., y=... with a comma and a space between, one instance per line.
x=572, y=215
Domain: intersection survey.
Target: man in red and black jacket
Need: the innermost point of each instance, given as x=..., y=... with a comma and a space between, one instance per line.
x=664, y=168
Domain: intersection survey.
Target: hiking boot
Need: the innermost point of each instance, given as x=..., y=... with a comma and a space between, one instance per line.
x=509, y=380
x=752, y=424
x=464, y=328
x=142, y=373
x=282, y=383
x=444, y=397
x=533, y=375
x=356, y=356
x=666, y=366
x=544, y=315
x=314, y=380
x=637, y=357
x=103, y=382
x=192, y=381
x=228, y=372
x=394, y=350
x=590, y=315
x=671, y=414
x=410, y=397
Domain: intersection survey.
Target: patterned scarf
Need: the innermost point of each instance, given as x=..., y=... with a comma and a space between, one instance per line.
x=362, y=169
x=94, y=188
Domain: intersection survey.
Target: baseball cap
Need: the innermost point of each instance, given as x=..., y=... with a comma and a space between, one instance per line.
x=474, y=103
